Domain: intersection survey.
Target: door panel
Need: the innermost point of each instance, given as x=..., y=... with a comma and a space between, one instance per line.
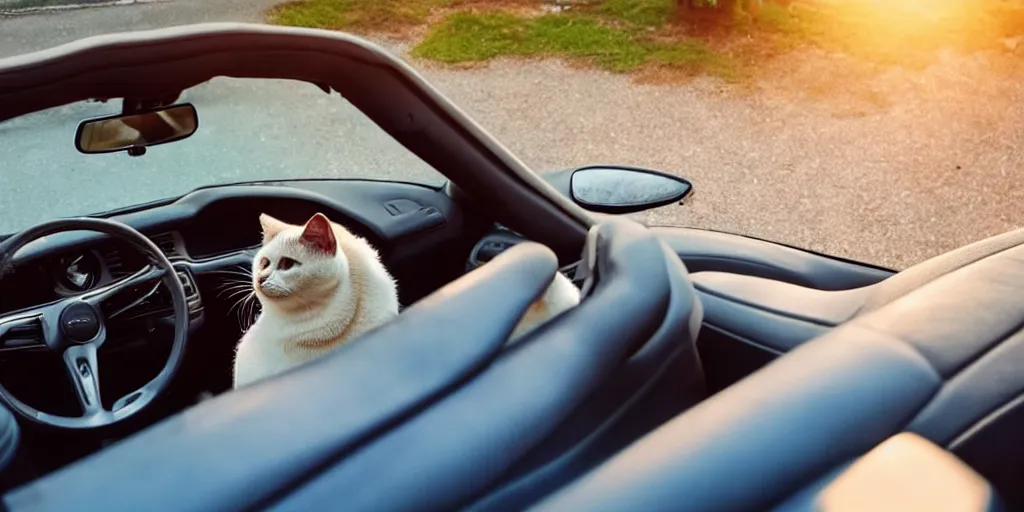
x=703, y=250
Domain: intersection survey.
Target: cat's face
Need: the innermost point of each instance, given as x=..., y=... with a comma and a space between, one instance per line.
x=298, y=267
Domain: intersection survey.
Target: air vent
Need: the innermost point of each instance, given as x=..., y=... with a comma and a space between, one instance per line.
x=24, y=334
x=167, y=244
x=112, y=257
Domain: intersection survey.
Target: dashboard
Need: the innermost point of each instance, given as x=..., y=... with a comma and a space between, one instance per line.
x=212, y=232
x=72, y=272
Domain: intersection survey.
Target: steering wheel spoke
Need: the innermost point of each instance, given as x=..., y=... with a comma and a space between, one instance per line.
x=80, y=363
x=33, y=328
x=101, y=294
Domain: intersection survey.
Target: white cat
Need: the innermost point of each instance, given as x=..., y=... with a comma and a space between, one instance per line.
x=320, y=286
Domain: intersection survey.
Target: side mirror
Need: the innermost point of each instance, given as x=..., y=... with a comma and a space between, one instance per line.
x=134, y=132
x=616, y=189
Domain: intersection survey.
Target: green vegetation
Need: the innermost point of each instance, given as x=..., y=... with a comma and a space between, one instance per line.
x=648, y=13
x=719, y=37
x=469, y=37
x=612, y=34
x=355, y=14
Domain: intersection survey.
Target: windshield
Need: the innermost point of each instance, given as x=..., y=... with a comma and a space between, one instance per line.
x=882, y=131
x=248, y=130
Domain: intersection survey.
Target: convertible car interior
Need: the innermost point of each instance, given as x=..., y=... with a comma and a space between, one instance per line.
x=701, y=371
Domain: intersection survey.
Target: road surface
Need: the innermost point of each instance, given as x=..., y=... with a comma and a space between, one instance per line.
x=888, y=168
x=22, y=34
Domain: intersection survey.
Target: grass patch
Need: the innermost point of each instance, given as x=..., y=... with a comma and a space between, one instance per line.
x=471, y=37
x=354, y=14
x=647, y=13
x=625, y=35
x=611, y=34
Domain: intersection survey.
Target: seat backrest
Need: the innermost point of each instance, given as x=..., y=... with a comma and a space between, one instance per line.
x=942, y=361
x=927, y=271
x=426, y=413
x=641, y=310
x=774, y=316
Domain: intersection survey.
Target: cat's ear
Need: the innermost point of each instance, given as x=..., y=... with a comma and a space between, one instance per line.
x=271, y=227
x=318, y=235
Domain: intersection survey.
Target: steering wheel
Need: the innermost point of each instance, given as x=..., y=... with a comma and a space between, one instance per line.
x=75, y=327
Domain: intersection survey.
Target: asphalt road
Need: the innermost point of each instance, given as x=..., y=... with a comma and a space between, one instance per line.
x=20, y=34
x=248, y=129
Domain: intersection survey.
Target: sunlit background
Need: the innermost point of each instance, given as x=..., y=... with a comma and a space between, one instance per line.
x=906, y=31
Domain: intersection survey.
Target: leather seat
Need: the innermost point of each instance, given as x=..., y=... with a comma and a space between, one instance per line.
x=10, y=436
x=777, y=315
x=10, y=440
x=942, y=361
x=433, y=411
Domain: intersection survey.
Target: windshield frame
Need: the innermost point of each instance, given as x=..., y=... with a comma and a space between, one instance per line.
x=160, y=63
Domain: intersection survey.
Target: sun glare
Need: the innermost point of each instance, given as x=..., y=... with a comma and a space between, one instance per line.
x=902, y=28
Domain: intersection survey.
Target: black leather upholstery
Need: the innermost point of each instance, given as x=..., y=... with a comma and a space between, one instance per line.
x=775, y=315
x=934, y=268
x=244, y=446
x=452, y=452
x=775, y=311
x=424, y=413
x=10, y=438
x=761, y=439
x=713, y=251
x=941, y=361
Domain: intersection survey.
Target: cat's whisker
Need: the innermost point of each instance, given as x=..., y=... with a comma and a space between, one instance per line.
x=242, y=282
x=255, y=311
x=236, y=286
x=250, y=317
x=239, y=284
x=238, y=303
x=235, y=279
x=238, y=314
x=232, y=270
x=241, y=313
x=233, y=292
x=240, y=294
x=228, y=279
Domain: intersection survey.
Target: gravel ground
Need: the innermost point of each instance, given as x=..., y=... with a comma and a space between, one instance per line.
x=890, y=169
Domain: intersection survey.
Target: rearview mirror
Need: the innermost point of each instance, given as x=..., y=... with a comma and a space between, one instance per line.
x=121, y=132
x=615, y=189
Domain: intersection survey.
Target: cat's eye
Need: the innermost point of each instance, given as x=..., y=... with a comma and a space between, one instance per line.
x=286, y=263
x=264, y=263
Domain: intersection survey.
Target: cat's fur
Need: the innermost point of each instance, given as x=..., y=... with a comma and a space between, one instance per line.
x=560, y=296
x=338, y=291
